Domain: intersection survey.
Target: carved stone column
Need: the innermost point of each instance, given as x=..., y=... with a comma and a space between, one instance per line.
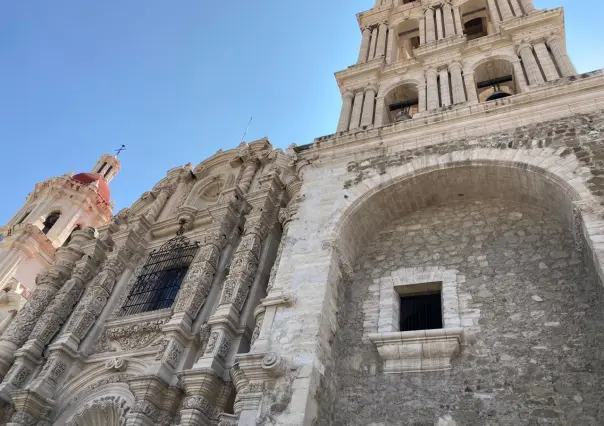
x=457, y=19
x=48, y=325
x=48, y=283
x=459, y=95
x=440, y=27
x=468, y=78
x=422, y=30
x=516, y=8
x=445, y=94
x=368, y=107
x=430, y=25
x=355, y=117
x=373, y=45
x=530, y=64
x=364, y=52
x=421, y=94
x=506, y=10
x=156, y=402
x=344, y=122
x=560, y=56
x=159, y=203
x=432, y=89
x=390, y=45
x=519, y=77
x=448, y=18
x=528, y=6
x=493, y=13
x=202, y=392
x=30, y=409
x=545, y=59
x=381, y=41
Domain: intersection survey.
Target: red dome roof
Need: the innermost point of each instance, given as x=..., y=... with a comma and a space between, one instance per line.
x=88, y=178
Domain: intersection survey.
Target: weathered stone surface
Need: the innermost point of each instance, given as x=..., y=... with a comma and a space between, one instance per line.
x=515, y=367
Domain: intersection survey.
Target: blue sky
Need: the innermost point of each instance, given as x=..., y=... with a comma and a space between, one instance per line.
x=177, y=80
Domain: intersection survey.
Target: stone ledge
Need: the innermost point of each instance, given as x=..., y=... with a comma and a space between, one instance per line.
x=417, y=351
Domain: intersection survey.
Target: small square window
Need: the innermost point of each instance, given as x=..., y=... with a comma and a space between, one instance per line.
x=421, y=312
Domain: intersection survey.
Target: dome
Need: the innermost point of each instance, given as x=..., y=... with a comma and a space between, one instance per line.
x=88, y=178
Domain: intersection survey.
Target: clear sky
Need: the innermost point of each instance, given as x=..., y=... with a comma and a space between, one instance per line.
x=177, y=80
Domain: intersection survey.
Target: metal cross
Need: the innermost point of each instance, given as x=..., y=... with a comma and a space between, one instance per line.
x=118, y=151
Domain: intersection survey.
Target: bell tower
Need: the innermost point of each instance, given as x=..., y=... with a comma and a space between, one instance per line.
x=52, y=211
x=422, y=57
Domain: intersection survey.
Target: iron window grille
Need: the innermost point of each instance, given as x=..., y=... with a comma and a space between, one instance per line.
x=421, y=312
x=159, y=281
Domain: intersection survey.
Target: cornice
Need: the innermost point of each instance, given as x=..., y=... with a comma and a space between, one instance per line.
x=445, y=124
x=358, y=75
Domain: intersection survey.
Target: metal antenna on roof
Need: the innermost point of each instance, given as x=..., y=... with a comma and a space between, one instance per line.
x=120, y=149
x=246, y=129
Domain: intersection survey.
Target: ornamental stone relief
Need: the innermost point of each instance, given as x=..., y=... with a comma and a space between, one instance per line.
x=130, y=336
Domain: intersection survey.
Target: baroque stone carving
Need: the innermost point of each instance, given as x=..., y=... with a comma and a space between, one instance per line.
x=106, y=411
x=198, y=403
x=135, y=336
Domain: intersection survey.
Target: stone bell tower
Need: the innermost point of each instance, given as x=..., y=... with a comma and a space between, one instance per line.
x=425, y=56
x=52, y=211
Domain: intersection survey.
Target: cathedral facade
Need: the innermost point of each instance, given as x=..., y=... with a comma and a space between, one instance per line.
x=436, y=261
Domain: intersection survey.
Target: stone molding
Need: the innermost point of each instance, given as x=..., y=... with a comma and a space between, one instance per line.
x=418, y=351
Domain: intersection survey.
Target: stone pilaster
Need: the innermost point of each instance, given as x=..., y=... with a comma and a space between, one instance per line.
x=516, y=8
x=432, y=89
x=545, y=59
x=468, y=79
x=156, y=402
x=344, y=123
x=31, y=409
x=445, y=94
x=528, y=6
x=48, y=284
x=560, y=56
x=27, y=358
x=530, y=64
x=519, y=77
x=159, y=203
x=357, y=107
x=373, y=44
x=390, y=39
x=421, y=96
x=381, y=40
x=364, y=52
x=459, y=95
x=448, y=18
x=430, y=25
x=202, y=394
x=506, y=10
x=493, y=13
x=457, y=19
x=440, y=27
x=422, y=30
x=368, y=106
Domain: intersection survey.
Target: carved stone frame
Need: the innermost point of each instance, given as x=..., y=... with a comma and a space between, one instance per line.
x=421, y=350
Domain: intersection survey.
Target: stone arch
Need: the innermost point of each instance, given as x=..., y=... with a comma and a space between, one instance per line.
x=501, y=73
x=500, y=56
x=404, y=94
x=206, y=191
x=107, y=406
x=555, y=182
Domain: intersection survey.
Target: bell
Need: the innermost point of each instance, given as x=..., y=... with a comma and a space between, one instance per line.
x=499, y=94
x=401, y=115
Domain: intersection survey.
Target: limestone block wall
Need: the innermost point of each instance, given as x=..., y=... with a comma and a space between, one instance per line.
x=532, y=352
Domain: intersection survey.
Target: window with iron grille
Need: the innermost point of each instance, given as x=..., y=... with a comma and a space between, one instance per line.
x=421, y=312
x=159, y=281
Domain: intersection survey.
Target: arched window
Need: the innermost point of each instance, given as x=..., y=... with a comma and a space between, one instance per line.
x=102, y=167
x=108, y=171
x=50, y=221
x=160, y=279
x=77, y=228
x=20, y=221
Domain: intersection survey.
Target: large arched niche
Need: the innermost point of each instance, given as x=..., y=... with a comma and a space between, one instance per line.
x=430, y=181
x=108, y=405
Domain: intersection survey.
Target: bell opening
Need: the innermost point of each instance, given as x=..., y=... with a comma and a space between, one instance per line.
x=499, y=94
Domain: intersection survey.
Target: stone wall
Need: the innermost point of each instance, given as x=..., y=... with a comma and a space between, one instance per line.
x=533, y=356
